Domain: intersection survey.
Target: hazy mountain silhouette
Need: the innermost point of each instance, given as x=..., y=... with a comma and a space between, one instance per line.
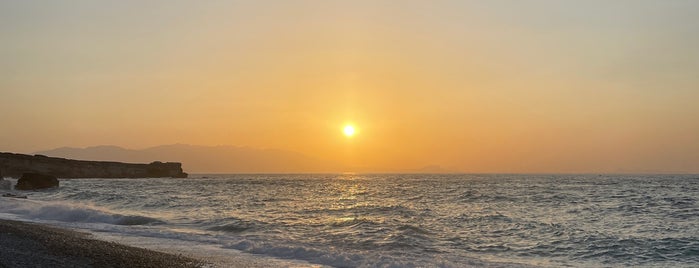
x=202, y=159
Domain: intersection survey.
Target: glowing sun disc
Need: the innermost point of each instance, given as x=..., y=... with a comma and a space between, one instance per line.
x=348, y=130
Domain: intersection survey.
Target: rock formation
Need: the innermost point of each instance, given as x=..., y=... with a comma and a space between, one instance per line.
x=5, y=184
x=15, y=165
x=34, y=181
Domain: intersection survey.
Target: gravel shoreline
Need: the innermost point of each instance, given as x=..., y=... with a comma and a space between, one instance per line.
x=25, y=244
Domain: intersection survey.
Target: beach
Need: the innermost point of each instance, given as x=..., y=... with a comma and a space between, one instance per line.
x=25, y=244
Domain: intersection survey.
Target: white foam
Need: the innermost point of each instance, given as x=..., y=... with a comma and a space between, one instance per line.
x=228, y=251
x=337, y=257
x=219, y=249
x=103, y=225
x=68, y=212
x=213, y=254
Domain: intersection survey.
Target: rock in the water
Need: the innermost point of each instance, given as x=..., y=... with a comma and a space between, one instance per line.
x=33, y=181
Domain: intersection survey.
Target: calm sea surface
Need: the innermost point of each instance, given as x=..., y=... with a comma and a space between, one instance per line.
x=396, y=220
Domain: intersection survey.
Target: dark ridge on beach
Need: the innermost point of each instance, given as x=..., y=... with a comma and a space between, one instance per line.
x=33, y=245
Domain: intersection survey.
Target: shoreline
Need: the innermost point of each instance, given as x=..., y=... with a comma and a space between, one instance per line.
x=24, y=244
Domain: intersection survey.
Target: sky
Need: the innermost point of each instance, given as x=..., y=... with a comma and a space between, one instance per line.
x=472, y=86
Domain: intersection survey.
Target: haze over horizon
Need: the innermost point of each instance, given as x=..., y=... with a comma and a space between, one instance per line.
x=226, y=159
x=477, y=86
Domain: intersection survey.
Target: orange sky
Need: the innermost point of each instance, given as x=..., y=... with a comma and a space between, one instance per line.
x=489, y=86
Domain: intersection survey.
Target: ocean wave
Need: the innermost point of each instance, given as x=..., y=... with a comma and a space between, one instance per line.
x=353, y=222
x=338, y=258
x=232, y=228
x=234, y=225
x=407, y=238
x=639, y=250
x=475, y=196
x=366, y=210
x=68, y=212
x=411, y=229
x=488, y=218
x=134, y=220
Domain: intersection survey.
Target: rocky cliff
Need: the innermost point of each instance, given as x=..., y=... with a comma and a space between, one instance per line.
x=14, y=165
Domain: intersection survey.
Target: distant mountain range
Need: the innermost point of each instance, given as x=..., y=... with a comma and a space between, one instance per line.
x=203, y=159
x=222, y=159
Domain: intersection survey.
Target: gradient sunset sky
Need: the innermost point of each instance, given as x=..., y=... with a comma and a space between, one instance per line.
x=472, y=86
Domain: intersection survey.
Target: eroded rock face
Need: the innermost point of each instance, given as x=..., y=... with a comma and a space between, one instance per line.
x=5, y=184
x=15, y=165
x=34, y=181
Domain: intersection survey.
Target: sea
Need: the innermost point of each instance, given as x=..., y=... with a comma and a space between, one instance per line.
x=387, y=220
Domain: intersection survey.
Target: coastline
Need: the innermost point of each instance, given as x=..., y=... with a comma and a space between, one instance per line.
x=24, y=244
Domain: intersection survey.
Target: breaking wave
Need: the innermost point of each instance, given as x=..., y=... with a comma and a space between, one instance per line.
x=67, y=212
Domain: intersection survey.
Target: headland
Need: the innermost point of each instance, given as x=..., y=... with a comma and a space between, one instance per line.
x=14, y=165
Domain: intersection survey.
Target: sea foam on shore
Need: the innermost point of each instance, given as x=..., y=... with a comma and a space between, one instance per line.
x=29, y=218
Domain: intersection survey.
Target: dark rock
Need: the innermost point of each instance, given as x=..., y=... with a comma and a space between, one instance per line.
x=159, y=169
x=33, y=181
x=5, y=184
x=15, y=165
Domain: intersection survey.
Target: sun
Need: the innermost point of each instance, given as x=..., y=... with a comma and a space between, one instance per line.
x=349, y=130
